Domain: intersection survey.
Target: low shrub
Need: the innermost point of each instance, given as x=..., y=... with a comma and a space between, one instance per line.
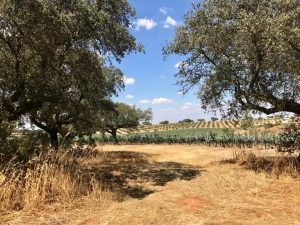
x=23, y=146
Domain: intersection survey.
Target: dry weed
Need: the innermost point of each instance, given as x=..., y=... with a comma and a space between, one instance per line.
x=216, y=194
x=283, y=164
x=47, y=178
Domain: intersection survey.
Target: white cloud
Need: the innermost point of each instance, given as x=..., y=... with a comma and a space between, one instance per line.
x=159, y=101
x=177, y=65
x=129, y=80
x=129, y=96
x=190, y=106
x=146, y=23
x=180, y=93
x=144, y=101
x=169, y=109
x=180, y=64
x=164, y=10
x=169, y=22
x=174, y=114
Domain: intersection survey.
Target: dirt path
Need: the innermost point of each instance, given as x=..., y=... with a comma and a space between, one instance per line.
x=178, y=184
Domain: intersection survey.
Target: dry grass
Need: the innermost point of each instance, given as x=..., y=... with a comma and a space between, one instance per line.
x=51, y=177
x=173, y=184
x=274, y=165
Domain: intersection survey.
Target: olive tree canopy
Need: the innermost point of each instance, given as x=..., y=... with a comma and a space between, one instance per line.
x=52, y=59
x=124, y=116
x=244, y=55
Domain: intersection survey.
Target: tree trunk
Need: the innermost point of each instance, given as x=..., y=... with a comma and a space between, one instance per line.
x=53, y=132
x=114, y=135
x=54, y=139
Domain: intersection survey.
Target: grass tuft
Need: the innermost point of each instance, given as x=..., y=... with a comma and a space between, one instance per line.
x=274, y=165
x=50, y=177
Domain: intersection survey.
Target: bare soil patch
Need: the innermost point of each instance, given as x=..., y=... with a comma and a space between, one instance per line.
x=175, y=184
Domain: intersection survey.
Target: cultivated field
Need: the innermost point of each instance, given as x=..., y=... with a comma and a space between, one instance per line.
x=176, y=184
x=205, y=124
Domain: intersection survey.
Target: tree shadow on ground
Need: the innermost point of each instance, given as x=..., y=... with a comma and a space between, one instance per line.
x=134, y=174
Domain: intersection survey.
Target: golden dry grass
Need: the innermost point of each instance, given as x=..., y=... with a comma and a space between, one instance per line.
x=174, y=184
x=50, y=177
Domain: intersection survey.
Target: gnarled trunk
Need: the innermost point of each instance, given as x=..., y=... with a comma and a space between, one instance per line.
x=53, y=132
x=54, y=139
x=114, y=135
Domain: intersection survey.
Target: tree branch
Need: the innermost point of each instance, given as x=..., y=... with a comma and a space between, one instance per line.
x=39, y=125
x=207, y=57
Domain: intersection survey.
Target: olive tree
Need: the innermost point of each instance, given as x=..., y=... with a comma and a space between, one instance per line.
x=123, y=116
x=186, y=121
x=244, y=55
x=165, y=122
x=53, y=59
x=214, y=118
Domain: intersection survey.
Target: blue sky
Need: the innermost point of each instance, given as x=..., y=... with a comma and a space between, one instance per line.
x=150, y=80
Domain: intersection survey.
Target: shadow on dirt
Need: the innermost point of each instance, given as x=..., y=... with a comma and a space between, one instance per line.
x=133, y=174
